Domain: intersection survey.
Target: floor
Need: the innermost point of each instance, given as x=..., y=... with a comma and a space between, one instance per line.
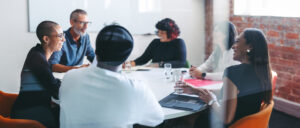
x=281, y=120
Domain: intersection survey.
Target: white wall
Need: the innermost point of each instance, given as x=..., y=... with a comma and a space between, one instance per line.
x=16, y=41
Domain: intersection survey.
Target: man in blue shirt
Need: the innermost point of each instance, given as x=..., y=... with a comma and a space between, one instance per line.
x=76, y=47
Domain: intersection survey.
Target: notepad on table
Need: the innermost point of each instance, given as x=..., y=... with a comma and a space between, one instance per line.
x=200, y=83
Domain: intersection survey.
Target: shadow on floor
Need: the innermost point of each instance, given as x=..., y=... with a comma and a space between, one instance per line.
x=281, y=120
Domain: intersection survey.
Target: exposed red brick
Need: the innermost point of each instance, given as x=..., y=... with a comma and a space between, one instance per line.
x=285, y=76
x=237, y=19
x=262, y=26
x=275, y=54
x=296, y=65
x=273, y=60
x=292, y=98
x=280, y=27
x=297, y=80
x=292, y=36
x=286, y=49
x=288, y=56
x=284, y=62
x=272, y=33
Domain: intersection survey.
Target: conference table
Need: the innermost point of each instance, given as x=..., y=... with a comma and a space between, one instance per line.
x=156, y=80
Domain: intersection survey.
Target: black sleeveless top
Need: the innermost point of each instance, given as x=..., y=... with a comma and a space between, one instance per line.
x=250, y=93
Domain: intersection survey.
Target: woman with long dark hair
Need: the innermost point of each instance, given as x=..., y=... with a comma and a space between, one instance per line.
x=167, y=49
x=245, y=86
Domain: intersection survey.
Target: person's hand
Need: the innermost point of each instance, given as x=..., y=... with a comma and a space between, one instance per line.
x=186, y=88
x=84, y=65
x=205, y=95
x=132, y=63
x=153, y=65
x=194, y=72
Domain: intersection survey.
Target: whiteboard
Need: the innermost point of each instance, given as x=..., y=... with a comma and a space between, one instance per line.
x=138, y=16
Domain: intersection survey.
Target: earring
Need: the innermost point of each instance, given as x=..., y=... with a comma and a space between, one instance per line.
x=248, y=50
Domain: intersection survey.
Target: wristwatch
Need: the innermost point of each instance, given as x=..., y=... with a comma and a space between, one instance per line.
x=203, y=75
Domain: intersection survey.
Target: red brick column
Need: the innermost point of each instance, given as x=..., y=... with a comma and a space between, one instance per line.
x=208, y=27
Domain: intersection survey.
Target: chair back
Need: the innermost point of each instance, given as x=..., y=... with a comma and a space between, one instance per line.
x=257, y=120
x=6, y=103
x=187, y=64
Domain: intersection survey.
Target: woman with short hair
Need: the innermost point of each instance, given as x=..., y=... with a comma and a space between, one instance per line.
x=34, y=100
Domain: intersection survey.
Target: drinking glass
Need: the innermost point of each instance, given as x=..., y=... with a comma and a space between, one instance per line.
x=168, y=70
x=179, y=82
x=178, y=87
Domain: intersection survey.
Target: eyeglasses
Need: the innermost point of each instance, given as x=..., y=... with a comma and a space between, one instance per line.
x=82, y=23
x=60, y=35
x=157, y=32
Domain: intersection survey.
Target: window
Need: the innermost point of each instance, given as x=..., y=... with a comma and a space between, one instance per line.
x=282, y=8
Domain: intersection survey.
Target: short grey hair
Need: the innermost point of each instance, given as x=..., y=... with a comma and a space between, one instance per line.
x=75, y=13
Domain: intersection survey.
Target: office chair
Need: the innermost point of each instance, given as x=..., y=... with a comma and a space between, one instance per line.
x=6, y=102
x=256, y=120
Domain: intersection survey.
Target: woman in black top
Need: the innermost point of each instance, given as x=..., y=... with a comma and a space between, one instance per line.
x=246, y=86
x=34, y=98
x=167, y=49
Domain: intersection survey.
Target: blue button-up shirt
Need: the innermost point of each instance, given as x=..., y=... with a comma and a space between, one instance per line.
x=72, y=54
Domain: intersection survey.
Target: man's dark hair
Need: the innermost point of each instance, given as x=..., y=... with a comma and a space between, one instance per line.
x=45, y=28
x=228, y=29
x=75, y=13
x=114, y=44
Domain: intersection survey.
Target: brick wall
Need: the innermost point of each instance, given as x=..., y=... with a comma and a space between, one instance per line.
x=284, y=48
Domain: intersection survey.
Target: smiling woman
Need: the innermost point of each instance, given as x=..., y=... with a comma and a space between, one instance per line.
x=37, y=82
x=166, y=49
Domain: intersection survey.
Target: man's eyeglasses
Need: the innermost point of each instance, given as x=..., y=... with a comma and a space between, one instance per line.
x=82, y=23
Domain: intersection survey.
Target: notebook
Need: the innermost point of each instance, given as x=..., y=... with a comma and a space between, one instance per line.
x=200, y=83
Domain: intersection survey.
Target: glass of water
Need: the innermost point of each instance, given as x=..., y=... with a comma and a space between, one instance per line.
x=168, y=70
x=179, y=82
x=127, y=65
x=178, y=87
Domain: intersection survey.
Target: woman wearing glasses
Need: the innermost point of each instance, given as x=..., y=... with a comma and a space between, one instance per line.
x=167, y=49
x=37, y=82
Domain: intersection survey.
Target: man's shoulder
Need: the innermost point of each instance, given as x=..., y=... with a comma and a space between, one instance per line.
x=75, y=73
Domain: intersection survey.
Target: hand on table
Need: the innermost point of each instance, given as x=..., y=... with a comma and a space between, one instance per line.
x=194, y=72
x=203, y=94
x=84, y=65
x=153, y=65
x=132, y=64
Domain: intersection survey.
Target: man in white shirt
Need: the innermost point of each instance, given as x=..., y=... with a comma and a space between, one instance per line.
x=100, y=96
x=222, y=56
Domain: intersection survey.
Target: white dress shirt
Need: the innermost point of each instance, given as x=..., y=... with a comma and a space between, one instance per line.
x=98, y=98
x=216, y=63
